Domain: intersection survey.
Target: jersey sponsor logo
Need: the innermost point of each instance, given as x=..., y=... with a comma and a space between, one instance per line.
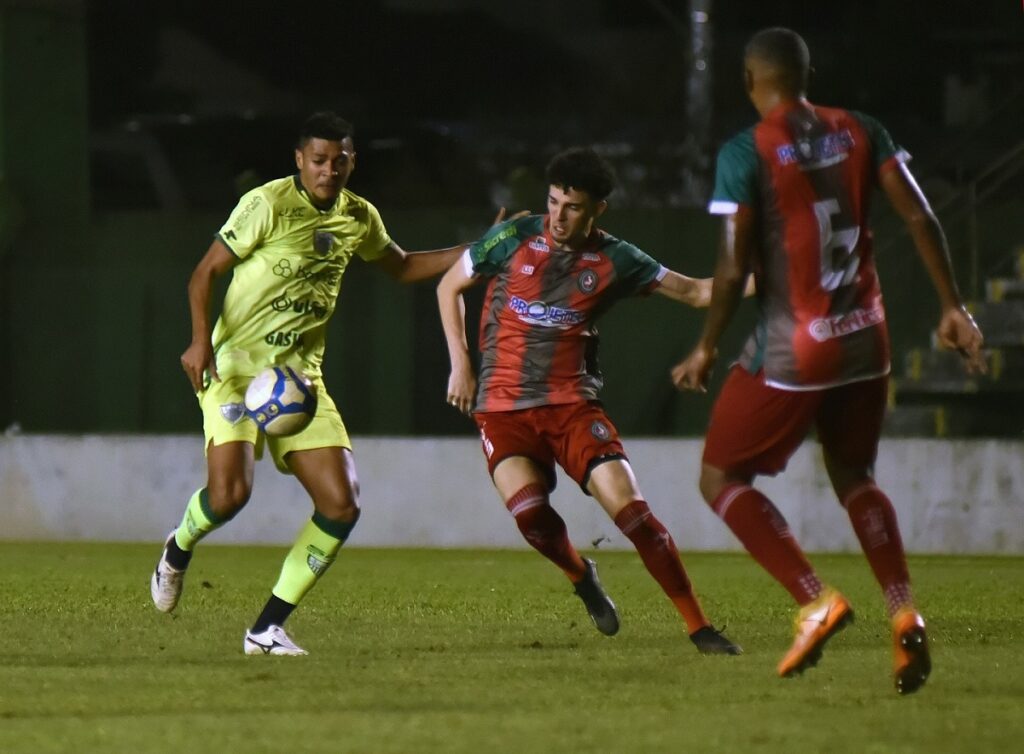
x=291, y=213
x=826, y=328
x=589, y=256
x=817, y=153
x=323, y=242
x=543, y=314
x=539, y=244
x=283, y=268
x=283, y=338
x=587, y=281
x=527, y=269
x=600, y=430
x=247, y=211
x=284, y=303
x=497, y=238
x=330, y=275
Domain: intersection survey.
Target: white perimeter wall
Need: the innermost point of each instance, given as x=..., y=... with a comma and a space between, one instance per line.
x=951, y=496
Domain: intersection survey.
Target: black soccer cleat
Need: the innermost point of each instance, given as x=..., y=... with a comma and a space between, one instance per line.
x=710, y=641
x=599, y=604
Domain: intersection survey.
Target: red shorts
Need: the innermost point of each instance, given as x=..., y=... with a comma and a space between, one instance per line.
x=578, y=436
x=755, y=429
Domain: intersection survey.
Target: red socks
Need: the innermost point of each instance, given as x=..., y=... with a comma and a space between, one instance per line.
x=757, y=523
x=545, y=530
x=661, y=557
x=874, y=522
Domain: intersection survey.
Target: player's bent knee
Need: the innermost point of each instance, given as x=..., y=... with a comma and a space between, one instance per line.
x=228, y=499
x=712, y=482
x=343, y=508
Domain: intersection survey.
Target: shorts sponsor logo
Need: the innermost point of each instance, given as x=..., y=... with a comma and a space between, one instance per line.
x=539, y=244
x=587, y=281
x=600, y=430
x=543, y=314
x=232, y=412
x=283, y=268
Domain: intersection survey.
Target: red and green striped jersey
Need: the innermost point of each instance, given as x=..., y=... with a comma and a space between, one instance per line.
x=808, y=172
x=538, y=339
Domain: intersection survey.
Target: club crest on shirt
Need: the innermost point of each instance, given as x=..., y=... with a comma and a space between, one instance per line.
x=587, y=281
x=600, y=430
x=323, y=242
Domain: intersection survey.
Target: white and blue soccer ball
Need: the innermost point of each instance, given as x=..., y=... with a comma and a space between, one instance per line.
x=281, y=400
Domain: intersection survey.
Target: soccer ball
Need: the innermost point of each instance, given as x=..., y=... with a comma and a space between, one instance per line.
x=281, y=400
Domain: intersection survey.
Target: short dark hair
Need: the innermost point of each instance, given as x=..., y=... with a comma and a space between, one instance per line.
x=583, y=169
x=324, y=125
x=784, y=50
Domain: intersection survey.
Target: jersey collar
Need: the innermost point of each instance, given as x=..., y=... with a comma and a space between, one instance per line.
x=297, y=181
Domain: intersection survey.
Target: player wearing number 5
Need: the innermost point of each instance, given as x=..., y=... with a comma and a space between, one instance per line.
x=794, y=192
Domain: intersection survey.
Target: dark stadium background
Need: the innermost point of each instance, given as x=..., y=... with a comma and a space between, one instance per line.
x=128, y=131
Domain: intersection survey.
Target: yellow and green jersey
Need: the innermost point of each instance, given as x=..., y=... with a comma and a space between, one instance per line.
x=285, y=287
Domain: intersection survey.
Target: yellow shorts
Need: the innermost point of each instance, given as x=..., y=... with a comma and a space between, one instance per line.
x=325, y=431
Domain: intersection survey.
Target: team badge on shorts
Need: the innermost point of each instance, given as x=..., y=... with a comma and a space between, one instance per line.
x=587, y=281
x=600, y=431
x=232, y=412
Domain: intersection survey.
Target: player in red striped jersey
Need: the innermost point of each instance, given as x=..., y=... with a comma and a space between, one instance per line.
x=550, y=277
x=794, y=191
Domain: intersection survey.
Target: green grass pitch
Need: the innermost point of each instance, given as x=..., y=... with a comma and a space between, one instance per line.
x=486, y=651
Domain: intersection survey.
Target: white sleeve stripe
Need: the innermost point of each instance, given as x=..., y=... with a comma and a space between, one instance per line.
x=719, y=207
x=467, y=263
x=662, y=272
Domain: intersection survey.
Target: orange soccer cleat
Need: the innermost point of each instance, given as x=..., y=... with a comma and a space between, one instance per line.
x=911, y=660
x=815, y=625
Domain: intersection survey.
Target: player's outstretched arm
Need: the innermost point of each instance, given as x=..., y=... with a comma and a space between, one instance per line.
x=452, y=306
x=198, y=357
x=412, y=266
x=729, y=284
x=957, y=329
x=695, y=292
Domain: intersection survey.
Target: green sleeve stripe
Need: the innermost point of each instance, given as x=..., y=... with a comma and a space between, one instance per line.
x=221, y=238
x=735, y=174
x=883, y=148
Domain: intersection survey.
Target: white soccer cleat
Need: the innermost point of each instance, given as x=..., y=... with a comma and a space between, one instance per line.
x=166, y=583
x=273, y=641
